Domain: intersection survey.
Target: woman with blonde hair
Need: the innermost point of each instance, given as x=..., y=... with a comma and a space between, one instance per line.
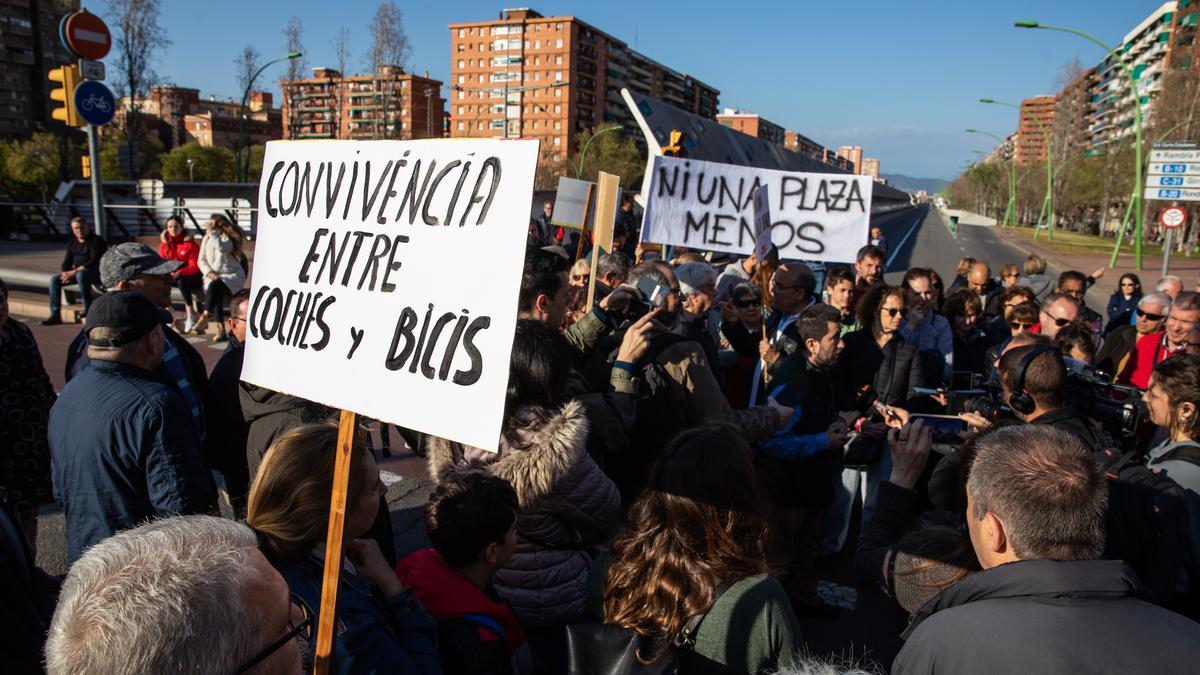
x=381, y=626
x=221, y=263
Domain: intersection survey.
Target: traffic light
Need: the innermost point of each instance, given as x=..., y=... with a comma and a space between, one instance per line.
x=87, y=166
x=68, y=76
x=677, y=146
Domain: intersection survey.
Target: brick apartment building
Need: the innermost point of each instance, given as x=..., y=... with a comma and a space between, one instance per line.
x=31, y=48
x=870, y=167
x=179, y=115
x=528, y=75
x=853, y=155
x=752, y=124
x=389, y=104
x=1036, y=121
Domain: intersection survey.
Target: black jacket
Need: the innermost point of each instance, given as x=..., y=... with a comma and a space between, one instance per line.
x=1087, y=430
x=86, y=253
x=1116, y=347
x=269, y=415
x=1043, y=616
x=804, y=482
x=225, y=442
x=893, y=372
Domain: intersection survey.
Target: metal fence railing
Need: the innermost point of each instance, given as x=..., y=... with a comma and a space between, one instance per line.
x=125, y=218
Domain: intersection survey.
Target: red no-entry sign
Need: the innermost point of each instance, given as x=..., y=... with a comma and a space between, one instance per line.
x=1173, y=217
x=86, y=35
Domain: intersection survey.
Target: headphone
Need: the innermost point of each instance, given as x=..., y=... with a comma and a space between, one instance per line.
x=1020, y=400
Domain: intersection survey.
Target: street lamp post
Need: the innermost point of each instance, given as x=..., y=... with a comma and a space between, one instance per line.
x=583, y=151
x=1047, y=216
x=242, y=167
x=191, y=175
x=1136, y=196
x=1009, y=210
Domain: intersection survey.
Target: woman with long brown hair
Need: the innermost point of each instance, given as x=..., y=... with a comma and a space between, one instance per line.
x=693, y=548
x=221, y=263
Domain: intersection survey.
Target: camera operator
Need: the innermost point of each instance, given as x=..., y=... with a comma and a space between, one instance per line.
x=1033, y=379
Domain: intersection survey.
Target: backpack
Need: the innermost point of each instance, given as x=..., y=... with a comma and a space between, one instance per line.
x=660, y=414
x=1147, y=524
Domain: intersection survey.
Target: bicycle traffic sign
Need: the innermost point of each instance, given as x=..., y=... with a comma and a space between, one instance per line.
x=1173, y=217
x=95, y=103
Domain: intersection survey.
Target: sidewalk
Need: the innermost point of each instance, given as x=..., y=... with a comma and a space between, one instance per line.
x=1182, y=266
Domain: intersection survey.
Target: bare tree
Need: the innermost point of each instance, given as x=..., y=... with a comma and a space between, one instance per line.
x=389, y=47
x=246, y=65
x=139, y=40
x=341, y=55
x=293, y=34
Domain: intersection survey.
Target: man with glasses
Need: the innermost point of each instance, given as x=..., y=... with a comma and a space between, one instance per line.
x=1059, y=310
x=792, y=288
x=227, y=428
x=1075, y=284
x=189, y=594
x=1155, y=347
x=1149, y=317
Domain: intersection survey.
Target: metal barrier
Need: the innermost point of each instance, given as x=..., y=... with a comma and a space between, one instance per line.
x=126, y=219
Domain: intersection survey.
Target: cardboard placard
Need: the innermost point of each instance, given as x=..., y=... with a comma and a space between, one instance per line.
x=386, y=278
x=710, y=206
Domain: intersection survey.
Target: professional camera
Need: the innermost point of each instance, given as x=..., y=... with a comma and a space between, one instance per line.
x=1118, y=408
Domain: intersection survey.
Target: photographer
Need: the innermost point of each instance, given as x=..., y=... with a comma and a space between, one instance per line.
x=1034, y=380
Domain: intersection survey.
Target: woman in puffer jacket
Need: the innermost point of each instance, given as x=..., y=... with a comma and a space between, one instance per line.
x=566, y=503
x=221, y=264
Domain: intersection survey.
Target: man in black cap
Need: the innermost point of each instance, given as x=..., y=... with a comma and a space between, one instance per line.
x=136, y=267
x=123, y=444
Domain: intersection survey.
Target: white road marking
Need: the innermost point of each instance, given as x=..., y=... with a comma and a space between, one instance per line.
x=904, y=241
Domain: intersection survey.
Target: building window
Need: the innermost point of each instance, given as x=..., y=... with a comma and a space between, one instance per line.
x=558, y=26
x=461, y=94
x=558, y=44
x=558, y=60
x=537, y=44
x=557, y=107
x=461, y=63
x=558, y=92
x=558, y=140
x=462, y=79
x=462, y=32
x=460, y=126
x=480, y=63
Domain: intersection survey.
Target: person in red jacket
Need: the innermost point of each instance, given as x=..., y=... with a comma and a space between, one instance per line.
x=176, y=244
x=472, y=524
x=1151, y=349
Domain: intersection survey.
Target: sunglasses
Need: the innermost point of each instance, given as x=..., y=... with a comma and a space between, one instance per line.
x=1150, y=317
x=743, y=304
x=1058, y=320
x=303, y=630
x=893, y=311
x=1017, y=325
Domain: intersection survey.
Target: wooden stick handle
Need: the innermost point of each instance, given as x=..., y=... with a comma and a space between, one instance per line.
x=327, y=618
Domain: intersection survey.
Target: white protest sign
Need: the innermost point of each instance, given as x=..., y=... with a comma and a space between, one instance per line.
x=762, y=223
x=709, y=206
x=571, y=202
x=386, y=276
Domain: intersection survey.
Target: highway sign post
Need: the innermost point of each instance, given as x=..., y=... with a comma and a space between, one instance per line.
x=1172, y=218
x=95, y=103
x=87, y=36
x=1174, y=172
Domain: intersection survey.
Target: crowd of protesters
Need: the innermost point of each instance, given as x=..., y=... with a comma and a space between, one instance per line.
x=1017, y=474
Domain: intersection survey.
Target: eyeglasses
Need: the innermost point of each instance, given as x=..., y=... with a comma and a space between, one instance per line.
x=743, y=304
x=1148, y=316
x=893, y=311
x=1058, y=320
x=304, y=630
x=1017, y=325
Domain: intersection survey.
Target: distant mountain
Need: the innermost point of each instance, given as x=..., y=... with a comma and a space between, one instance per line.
x=910, y=184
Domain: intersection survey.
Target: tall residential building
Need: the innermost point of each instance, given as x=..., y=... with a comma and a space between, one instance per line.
x=1144, y=51
x=527, y=75
x=1183, y=52
x=178, y=115
x=1036, y=122
x=870, y=167
x=31, y=48
x=853, y=155
x=389, y=104
x=1075, y=114
x=752, y=124
x=834, y=159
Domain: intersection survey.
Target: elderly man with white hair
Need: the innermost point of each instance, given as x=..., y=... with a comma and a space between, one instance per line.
x=1149, y=318
x=190, y=594
x=1171, y=285
x=698, y=321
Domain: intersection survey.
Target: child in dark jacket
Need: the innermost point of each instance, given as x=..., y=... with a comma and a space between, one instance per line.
x=472, y=524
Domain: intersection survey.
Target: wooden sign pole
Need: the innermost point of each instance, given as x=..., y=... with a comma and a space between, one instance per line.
x=602, y=230
x=761, y=278
x=327, y=618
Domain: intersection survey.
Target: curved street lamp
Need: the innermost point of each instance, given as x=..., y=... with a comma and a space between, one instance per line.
x=1136, y=196
x=583, y=151
x=1047, y=215
x=1010, y=209
x=242, y=166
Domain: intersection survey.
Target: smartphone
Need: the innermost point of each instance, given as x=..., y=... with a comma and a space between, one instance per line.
x=886, y=411
x=928, y=391
x=655, y=294
x=946, y=428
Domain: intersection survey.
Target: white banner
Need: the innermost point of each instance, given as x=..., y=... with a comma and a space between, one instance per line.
x=710, y=206
x=386, y=276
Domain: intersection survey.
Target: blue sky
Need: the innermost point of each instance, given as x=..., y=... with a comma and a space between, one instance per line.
x=901, y=78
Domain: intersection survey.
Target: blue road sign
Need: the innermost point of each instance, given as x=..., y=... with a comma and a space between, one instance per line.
x=1168, y=194
x=1171, y=181
x=95, y=103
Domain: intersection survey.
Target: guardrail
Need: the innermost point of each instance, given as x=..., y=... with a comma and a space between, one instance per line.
x=41, y=222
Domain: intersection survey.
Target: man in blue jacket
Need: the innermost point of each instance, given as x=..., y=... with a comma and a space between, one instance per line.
x=124, y=446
